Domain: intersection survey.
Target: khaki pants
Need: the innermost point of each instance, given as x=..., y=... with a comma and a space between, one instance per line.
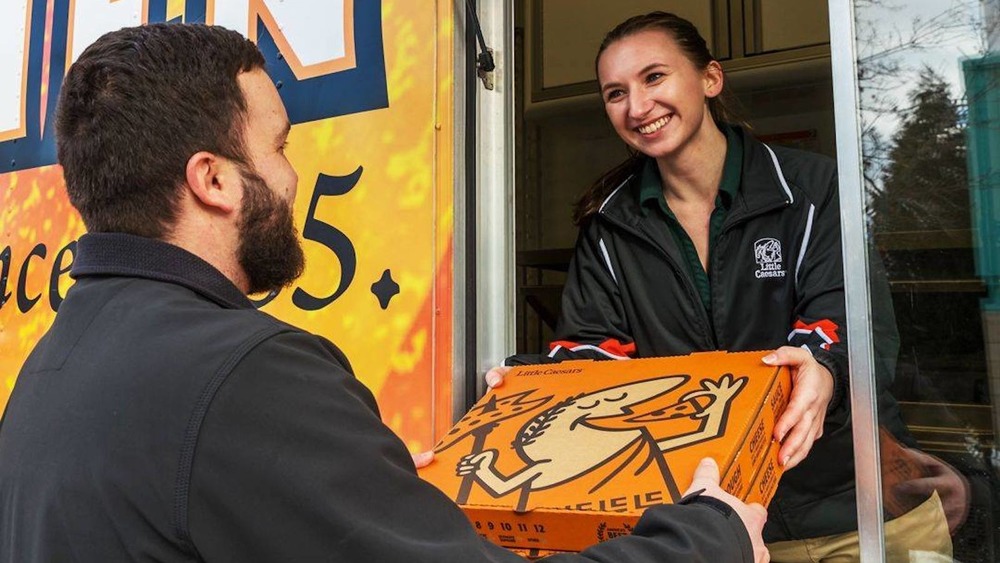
x=921, y=535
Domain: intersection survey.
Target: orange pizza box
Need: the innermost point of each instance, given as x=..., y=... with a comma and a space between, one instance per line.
x=562, y=456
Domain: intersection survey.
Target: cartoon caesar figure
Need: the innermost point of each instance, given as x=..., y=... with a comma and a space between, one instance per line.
x=607, y=424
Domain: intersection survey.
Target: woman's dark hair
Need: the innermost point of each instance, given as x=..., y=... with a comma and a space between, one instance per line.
x=692, y=44
x=133, y=109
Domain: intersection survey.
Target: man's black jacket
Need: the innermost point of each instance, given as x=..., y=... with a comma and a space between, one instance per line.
x=162, y=418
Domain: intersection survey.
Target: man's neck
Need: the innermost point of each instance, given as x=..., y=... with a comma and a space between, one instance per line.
x=215, y=247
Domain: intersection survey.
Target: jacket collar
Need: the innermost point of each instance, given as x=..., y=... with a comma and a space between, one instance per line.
x=762, y=187
x=651, y=185
x=120, y=254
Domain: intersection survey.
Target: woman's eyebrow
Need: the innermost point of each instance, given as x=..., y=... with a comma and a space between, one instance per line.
x=643, y=70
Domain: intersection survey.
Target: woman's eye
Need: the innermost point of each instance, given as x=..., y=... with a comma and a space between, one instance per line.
x=613, y=95
x=654, y=76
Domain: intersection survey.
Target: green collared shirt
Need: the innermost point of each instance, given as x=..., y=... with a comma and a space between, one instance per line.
x=651, y=189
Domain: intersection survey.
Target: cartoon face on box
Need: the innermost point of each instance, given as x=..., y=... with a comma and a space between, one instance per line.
x=605, y=436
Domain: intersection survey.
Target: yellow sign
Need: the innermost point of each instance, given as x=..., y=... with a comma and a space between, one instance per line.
x=369, y=91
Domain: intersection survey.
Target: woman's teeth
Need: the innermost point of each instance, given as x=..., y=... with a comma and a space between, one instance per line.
x=654, y=126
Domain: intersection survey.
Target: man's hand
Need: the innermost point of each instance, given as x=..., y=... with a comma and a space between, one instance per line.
x=423, y=459
x=812, y=389
x=494, y=377
x=706, y=477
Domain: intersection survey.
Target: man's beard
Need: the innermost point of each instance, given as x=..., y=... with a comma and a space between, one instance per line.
x=269, y=251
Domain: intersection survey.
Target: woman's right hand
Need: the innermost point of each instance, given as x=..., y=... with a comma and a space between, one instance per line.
x=494, y=377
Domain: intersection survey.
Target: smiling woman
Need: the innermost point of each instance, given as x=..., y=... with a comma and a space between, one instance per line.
x=653, y=72
x=655, y=96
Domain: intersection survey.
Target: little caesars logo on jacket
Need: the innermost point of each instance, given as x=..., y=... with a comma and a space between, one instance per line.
x=767, y=254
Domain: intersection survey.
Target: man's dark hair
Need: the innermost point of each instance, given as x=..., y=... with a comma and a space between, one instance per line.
x=133, y=109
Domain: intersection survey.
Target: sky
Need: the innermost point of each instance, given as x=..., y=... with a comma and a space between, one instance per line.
x=946, y=32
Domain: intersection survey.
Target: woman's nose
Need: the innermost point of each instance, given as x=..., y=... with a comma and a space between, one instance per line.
x=639, y=105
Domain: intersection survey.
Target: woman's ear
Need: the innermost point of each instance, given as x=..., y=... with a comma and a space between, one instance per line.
x=214, y=182
x=714, y=79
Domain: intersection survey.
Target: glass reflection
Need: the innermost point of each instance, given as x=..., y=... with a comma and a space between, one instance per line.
x=930, y=110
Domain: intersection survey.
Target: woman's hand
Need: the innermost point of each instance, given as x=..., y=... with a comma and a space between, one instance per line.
x=812, y=389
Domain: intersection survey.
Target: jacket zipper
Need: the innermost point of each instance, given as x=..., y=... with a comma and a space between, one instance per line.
x=714, y=259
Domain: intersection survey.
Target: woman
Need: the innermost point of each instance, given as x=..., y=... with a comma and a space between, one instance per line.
x=707, y=239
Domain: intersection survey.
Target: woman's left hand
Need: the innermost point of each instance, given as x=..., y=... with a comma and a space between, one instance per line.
x=812, y=389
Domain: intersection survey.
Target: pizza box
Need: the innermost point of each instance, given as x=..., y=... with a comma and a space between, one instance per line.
x=562, y=456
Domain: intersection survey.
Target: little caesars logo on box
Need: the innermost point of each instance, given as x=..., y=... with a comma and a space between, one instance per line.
x=767, y=253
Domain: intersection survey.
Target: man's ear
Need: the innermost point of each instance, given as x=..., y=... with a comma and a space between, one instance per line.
x=214, y=181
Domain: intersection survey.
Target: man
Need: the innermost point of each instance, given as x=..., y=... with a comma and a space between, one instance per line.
x=163, y=418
